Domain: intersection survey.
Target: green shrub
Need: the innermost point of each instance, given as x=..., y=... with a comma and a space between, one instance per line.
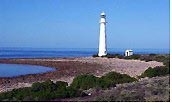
x=95, y=55
x=157, y=71
x=61, y=84
x=105, y=83
x=41, y=92
x=44, y=86
x=110, y=56
x=152, y=54
x=114, y=56
x=118, y=56
x=117, y=78
x=15, y=94
x=135, y=56
x=84, y=82
x=155, y=57
x=37, y=87
x=74, y=92
x=48, y=90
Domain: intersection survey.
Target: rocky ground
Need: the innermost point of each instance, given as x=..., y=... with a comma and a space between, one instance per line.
x=148, y=89
x=68, y=68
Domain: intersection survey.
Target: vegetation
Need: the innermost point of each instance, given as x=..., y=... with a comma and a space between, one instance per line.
x=49, y=90
x=115, y=56
x=145, y=57
x=152, y=90
x=110, y=56
x=117, y=78
x=155, y=57
x=95, y=55
x=135, y=56
x=41, y=92
x=157, y=71
x=85, y=82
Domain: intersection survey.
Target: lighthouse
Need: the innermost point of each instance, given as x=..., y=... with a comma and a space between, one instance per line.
x=102, y=38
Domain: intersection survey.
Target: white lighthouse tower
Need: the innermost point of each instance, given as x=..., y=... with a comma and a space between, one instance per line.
x=102, y=39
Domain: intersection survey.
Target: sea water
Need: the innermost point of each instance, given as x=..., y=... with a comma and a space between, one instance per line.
x=72, y=52
x=12, y=70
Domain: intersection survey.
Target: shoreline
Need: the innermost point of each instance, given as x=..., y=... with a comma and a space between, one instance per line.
x=68, y=68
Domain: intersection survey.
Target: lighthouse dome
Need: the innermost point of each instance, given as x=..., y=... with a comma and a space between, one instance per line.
x=102, y=13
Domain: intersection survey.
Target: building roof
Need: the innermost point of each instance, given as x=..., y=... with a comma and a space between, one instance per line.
x=129, y=50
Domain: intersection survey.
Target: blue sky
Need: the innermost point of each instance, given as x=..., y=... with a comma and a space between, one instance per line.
x=75, y=23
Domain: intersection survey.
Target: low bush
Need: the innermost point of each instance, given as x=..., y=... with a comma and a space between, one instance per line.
x=44, y=86
x=41, y=92
x=110, y=56
x=117, y=78
x=155, y=57
x=84, y=82
x=115, y=56
x=157, y=71
x=95, y=55
x=135, y=56
x=152, y=54
x=15, y=94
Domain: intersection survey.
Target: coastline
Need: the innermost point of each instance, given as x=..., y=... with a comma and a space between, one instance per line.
x=68, y=68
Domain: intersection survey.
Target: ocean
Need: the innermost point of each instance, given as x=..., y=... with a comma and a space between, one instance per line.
x=66, y=52
x=12, y=70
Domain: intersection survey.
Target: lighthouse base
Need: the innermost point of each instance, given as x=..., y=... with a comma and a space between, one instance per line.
x=102, y=54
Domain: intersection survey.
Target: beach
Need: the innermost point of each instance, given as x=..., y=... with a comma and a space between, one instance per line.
x=68, y=68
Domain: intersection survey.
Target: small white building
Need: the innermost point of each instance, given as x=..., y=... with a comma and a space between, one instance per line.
x=128, y=52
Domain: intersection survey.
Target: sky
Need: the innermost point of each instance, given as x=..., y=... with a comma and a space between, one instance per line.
x=75, y=23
